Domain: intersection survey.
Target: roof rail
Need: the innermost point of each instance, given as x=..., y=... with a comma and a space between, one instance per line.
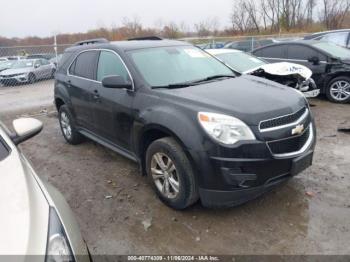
x=145, y=38
x=92, y=41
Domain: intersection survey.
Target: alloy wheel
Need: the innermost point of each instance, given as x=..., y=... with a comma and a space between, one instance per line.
x=164, y=175
x=340, y=90
x=65, y=124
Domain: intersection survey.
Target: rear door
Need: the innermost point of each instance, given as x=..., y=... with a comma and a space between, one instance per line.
x=301, y=54
x=81, y=74
x=46, y=68
x=113, y=117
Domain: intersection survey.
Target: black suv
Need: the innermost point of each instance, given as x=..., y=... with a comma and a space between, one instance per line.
x=198, y=129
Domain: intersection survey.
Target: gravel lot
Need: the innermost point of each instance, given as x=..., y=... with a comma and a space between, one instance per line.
x=307, y=215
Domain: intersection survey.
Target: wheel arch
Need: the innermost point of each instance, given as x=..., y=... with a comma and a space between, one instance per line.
x=153, y=132
x=331, y=76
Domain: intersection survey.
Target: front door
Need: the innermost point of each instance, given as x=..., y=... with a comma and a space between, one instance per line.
x=113, y=116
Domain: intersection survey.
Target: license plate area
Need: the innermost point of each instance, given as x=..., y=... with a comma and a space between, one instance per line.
x=301, y=163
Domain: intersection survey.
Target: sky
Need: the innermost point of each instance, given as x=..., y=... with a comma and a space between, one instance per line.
x=20, y=18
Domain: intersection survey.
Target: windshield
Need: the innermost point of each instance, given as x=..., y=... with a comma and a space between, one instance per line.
x=240, y=61
x=333, y=49
x=23, y=64
x=179, y=64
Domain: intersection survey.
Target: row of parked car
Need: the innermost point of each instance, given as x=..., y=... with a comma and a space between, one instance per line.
x=20, y=70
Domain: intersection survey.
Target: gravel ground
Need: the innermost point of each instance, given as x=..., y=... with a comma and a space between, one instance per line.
x=113, y=203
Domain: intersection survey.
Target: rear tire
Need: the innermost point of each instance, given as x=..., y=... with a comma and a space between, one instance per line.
x=68, y=127
x=338, y=90
x=171, y=174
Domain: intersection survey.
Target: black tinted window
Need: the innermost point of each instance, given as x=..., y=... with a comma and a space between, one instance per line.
x=303, y=52
x=3, y=150
x=84, y=65
x=271, y=52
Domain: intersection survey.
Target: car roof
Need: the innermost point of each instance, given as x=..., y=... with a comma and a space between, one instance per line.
x=301, y=42
x=314, y=35
x=130, y=45
x=222, y=51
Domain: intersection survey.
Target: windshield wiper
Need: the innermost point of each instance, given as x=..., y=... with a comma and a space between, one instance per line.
x=179, y=85
x=195, y=82
x=213, y=78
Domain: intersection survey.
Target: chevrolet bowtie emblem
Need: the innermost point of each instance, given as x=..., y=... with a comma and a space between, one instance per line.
x=298, y=130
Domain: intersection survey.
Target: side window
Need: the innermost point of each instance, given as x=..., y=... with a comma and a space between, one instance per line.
x=84, y=65
x=271, y=52
x=110, y=64
x=44, y=62
x=37, y=63
x=303, y=53
x=337, y=38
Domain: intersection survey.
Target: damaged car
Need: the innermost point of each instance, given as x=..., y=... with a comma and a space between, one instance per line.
x=289, y=74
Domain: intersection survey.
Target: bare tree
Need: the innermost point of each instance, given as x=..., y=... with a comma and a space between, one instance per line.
x=333, y=12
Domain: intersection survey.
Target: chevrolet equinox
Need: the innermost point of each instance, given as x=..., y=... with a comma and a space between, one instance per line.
x=198, y=129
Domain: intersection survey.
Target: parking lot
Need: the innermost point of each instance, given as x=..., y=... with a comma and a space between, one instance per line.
x=119, y=214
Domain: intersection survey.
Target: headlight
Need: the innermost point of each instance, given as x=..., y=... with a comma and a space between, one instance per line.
x=22, y=75
x=58, y=248
x=225, y=129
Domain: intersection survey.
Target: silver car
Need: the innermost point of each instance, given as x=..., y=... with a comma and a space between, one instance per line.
x=28, y=71
x=34, y=217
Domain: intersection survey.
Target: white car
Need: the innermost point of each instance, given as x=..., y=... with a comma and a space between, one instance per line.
x=27, y=71
x=34, y=217
x=290, y=74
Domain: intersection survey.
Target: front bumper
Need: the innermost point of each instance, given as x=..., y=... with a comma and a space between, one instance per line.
x=14, y=80
x=250, y=179
x=232, y=176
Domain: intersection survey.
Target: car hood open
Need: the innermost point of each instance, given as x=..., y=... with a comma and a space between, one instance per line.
x=249, y=98
x=283, y=69
x=24, y=209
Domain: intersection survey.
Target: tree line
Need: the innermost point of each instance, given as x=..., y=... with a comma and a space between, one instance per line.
x=247, y=17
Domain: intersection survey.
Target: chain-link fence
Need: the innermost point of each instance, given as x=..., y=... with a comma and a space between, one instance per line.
x=23, y=65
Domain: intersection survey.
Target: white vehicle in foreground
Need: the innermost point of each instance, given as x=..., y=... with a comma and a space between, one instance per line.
x=290, y=74
x=34, y=217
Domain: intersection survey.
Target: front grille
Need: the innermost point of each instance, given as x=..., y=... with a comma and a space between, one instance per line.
x=289, y=145
x=283, y=120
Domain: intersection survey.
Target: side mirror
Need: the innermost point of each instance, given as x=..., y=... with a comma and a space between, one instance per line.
x=315, y=60
x=36, y=66
x=115, y=81
x=25, y=128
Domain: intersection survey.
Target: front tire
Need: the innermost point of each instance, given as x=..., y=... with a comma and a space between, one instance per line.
x=31, y=79
x=171, y=174
x=338, y=90
x=68, y=128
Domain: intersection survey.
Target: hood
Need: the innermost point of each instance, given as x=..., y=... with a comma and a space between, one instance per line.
x=24, y=209
x=284, y=69
x=249, y=98
x=14, y=71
